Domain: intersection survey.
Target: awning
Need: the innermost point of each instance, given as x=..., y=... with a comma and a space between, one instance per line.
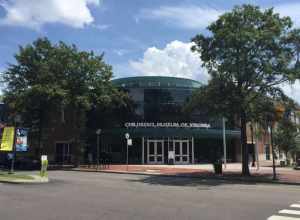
x=174, y=132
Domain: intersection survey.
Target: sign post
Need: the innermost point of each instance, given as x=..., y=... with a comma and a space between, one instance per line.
x=127, y=143
x=44, y=166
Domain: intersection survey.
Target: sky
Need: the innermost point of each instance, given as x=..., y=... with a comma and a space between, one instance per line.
x=138, y=37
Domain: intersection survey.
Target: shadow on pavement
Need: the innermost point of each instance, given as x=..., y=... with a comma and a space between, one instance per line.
x=195, y=181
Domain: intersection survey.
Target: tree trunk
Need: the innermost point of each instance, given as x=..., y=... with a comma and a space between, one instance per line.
x=41, y=115
x=245, y=155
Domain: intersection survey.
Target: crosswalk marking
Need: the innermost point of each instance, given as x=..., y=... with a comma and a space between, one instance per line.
x=291, y=212
x=277, y=217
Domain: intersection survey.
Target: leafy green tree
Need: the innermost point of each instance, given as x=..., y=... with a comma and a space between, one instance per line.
x=246, y=56
x=293, y=40
x=50, y=78
x=285, y=136
x=286, y=131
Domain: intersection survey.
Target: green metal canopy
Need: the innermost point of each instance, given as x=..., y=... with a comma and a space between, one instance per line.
x=174, y=132
x=156, y=82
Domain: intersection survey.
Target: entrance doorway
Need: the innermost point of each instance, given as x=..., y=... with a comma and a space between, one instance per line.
x=155, y=151
x=181, y=151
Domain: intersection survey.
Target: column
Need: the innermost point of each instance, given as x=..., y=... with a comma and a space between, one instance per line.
x=193, y=156
x=143, y=149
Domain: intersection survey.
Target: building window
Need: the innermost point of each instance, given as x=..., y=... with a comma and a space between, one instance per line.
x=63, y=152
x=267, y=152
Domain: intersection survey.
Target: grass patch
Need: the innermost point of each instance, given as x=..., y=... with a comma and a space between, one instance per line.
x=15, y=176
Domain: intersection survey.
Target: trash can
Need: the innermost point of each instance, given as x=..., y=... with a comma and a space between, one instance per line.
x=171, y=157
x=282, y=163
x=218, y=168
x=171, y=161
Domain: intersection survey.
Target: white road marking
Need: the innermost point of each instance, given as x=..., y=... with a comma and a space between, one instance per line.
x=295, y=206
x=291, y=212
x=277, y=217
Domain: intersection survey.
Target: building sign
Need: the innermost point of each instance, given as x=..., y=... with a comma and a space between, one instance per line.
x=21, y=140
x=165, y=125
x=44, y=157
x=7, y=141
x=129, y=142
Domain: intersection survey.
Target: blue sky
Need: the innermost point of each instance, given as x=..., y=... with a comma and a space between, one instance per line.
x=138, y=37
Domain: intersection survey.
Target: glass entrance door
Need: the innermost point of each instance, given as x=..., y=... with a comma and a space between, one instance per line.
x=155, y=151
x=181, y=151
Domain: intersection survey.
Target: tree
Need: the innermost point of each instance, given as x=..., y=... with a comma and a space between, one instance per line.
x=286, y=131
x=285, y=136
x=293, y=40
x=246, y=56
x=50, y=78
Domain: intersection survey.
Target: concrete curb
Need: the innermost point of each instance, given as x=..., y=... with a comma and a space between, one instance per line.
x=36, y=180
x=241, y=180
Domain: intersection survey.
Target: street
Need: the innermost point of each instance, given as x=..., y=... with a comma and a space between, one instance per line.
x=92, y=196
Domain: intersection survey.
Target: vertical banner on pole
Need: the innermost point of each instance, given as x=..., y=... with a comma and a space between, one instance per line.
x=7, y=139
x=21, y=140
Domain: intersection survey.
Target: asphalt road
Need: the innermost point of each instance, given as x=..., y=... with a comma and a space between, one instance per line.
x=96, y=196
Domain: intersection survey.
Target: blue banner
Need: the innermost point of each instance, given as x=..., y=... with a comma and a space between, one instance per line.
x=21, y=140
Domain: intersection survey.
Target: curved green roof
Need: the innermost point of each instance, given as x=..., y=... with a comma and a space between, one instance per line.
x=174, y=132
x=156, y=82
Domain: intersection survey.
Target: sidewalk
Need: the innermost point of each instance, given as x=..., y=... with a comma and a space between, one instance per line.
x=231, y=172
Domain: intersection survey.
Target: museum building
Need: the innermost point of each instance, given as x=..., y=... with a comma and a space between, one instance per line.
x=160, y=129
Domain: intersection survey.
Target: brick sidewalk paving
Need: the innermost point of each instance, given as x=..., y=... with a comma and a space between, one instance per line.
x=284, y=175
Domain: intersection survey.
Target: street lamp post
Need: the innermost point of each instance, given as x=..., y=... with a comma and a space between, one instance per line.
x=224, y=141
x=127, y=137
x=273, y=152
x=17, y=120
x=98, y=132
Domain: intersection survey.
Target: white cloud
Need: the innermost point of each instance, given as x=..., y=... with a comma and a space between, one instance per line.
x=292, y=90
x=291, y=10
x=121, y=52
x=35, y=13
x=187, y=17
x=176, y=59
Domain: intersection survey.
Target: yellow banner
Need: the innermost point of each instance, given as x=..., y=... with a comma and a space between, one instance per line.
x=7, y=139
